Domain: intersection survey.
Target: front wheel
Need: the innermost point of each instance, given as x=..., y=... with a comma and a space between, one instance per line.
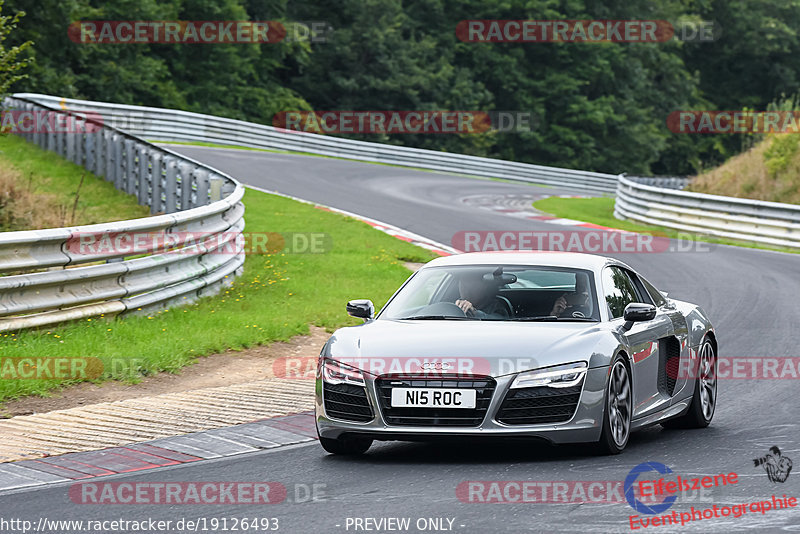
x=618, y=409
x=704, y=399
x=346, y=445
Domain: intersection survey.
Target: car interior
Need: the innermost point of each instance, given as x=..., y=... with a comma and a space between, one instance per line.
x=523, y=298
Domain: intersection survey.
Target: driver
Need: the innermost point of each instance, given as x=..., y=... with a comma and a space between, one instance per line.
x=479, y=298
x=576, y=303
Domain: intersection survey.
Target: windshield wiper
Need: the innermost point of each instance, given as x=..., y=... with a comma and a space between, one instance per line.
x=544, y=318
x=438, y=318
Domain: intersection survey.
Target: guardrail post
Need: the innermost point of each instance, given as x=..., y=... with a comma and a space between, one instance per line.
x=98, y=145
x=156, y=182
x=80, y=146
x=227, y=188
x=90, y=150
x=38, y=134
x=215, y=188
x=170, y=184
x=31, y=136
x=110, y=139
x=187, y=186
x=49, y=141
x=200, y=196
x=120, y=169
x=58, y=134
x=70, y=140
x=143, y=185
x=130, y=168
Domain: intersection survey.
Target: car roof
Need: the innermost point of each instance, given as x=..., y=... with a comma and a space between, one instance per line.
x=545, y=258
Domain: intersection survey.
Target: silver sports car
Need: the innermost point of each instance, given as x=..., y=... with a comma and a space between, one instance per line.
x=565, y=347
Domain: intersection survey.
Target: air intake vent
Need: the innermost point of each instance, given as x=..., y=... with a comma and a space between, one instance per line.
x=348, y=402
x=533, y=406
x=669, y=358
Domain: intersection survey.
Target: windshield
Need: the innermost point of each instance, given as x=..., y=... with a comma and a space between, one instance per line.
x=496, y=293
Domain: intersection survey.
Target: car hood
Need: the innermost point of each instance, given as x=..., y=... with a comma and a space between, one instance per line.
x=492, y=348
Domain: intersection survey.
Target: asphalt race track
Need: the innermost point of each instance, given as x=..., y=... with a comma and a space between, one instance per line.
x=752, y=296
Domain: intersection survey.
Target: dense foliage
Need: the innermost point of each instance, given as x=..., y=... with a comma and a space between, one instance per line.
x=597, y=106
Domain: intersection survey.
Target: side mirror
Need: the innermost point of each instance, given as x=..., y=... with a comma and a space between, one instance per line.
x=362, y=309
x=636, y=312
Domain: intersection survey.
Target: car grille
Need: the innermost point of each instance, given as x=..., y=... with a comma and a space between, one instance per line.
x=484, y=387
x=348, y=402
x=538, y=405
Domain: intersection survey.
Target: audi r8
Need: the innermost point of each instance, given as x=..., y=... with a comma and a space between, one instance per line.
x=559, y=346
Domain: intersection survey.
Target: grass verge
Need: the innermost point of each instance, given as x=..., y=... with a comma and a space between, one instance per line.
x=39, y=189
x=601, y=211
x=769, y=171
x=276, y=298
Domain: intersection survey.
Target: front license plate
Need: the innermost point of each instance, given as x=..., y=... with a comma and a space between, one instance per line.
x=433, y=398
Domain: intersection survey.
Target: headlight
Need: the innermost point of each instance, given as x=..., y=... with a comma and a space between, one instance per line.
x=334, y=372
x=560, y=376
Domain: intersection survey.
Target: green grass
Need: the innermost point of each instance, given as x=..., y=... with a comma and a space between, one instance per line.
x=276, y=298
x=601, y=211
x=41, y=172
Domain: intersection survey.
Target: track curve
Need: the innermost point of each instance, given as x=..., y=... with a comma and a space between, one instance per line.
x=752, y=296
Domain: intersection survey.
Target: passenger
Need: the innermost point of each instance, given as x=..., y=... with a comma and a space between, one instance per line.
x=479, y=298
x=577, y=303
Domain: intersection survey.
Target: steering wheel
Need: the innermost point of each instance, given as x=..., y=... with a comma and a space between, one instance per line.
x=507, y=304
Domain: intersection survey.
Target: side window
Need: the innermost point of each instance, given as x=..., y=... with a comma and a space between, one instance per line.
x=618, y=290
x=642, y=295
x=655, y=294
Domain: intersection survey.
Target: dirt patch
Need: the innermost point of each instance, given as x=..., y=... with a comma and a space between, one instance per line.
x=231, y=367
x=412, y=266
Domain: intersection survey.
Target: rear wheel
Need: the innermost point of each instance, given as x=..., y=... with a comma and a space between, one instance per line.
x=347, y=445
x=618, y=409
x=704, y=399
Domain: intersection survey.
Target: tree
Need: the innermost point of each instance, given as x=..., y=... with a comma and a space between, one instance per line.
x=10, y=63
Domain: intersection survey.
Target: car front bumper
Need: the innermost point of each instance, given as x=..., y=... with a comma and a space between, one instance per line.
x=584, y=426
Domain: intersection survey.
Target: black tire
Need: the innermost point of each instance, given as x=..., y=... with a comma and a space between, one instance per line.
x=699, y=414
x=346, y=445
x=612, y=441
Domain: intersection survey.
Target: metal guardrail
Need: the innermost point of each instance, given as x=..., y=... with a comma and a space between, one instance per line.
x=51, y=278
x=181, y=126
x=769, y=223
x=667, y=182
x=658, y=201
